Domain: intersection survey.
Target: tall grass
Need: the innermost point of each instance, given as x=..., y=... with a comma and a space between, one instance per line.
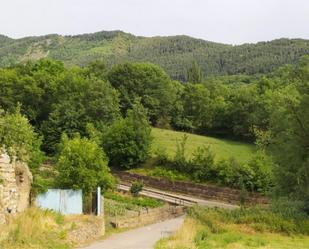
x=242, y=228
x=34, y=229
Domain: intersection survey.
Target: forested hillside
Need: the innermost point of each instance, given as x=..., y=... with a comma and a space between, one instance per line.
x=175, y=53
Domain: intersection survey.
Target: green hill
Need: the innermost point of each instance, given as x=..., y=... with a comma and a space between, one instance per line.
x=167, y=140
x=174, y=53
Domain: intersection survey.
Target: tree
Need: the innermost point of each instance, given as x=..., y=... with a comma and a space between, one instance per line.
x=195, y=74
x=18, y=139
x=289, y=133
x=81, y=101
x=82, y=164
x=197, y=107
x=147, y=82
x=17, y=136
x=127, y=141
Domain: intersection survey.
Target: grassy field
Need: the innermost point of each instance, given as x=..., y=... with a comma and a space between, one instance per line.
x=215, y=229
x=167, y=140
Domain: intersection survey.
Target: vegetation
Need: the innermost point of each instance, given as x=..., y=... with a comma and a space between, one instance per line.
x=112, y=109
x=82, y=165
x=175, y=54
x=255, y=175
x=136, y=187
x=19, y=140
x=140, y=201
x=148, y=82
x=36, y=228
x=127, y=141
x=166, y=140
x=241, y=228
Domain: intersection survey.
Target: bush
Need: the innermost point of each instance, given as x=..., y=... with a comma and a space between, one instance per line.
x=170, y=174
x=260, y=219
x=82, y=165
x=19, y=140
x=129, y=201
x=255, y=175
x=180, y=162
x=136, y=187
x=127, y=141
x=202, y=164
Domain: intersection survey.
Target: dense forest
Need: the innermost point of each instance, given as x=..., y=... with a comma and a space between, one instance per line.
x=73, y=112
x=174, y=54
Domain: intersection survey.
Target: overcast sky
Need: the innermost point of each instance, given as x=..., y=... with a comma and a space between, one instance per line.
x=227, y=21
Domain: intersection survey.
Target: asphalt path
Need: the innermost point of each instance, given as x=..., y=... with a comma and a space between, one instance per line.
x=139, y=238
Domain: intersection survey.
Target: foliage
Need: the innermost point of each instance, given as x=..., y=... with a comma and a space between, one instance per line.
x=195, y=74
x=136, y=187
x=166, y=141
x=135, y=201
x=19, y=140
x=173, y=53
x=35, y=228
x=82, y=165
x=82, y=101
x=256, y=174
x=203, y=164
x=56, y=99
x=240, y=228
x=147, y=82
x=288, y=140
x=127, y=141
x=167, y=173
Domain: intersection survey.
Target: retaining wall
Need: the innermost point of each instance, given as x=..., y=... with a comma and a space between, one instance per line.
x=15, y=186
x=204, y=191
x=146, y=217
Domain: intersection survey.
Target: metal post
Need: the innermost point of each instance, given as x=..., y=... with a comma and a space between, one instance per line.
x=99, y=201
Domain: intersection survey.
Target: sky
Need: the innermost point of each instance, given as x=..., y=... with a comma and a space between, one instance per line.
x=226, y=21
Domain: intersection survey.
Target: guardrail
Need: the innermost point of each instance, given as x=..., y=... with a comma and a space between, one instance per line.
x=170, y=198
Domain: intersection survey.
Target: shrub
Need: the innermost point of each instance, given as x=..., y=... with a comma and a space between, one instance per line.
x=127, y=141
x=136, y=187
x=202, y=164
x=130, y=201
x=180, y=162
x=82, y=165
x=170, y=174
x=19, y=140
x=256, y=175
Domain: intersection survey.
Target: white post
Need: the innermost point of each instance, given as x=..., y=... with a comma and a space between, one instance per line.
x=99, y=201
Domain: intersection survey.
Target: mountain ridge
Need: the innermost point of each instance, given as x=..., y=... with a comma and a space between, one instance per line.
x=174, y=53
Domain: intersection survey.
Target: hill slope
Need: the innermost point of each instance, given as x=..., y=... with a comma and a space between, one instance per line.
x=224, y=149
x=174, y=53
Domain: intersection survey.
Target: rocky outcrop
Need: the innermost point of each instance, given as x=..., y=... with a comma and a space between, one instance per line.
x=15, y=186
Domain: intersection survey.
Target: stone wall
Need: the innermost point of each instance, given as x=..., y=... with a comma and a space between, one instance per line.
x=86, y=229
x=204, y=191
x=146, y=217
x=15, y=186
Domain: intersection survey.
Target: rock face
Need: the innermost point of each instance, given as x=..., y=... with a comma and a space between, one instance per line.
x=15, y=186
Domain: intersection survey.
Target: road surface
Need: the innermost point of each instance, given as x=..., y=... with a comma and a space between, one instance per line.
x=139, y=238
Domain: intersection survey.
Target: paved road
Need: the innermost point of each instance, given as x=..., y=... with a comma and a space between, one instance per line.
x=140, y=238
x=179, y=198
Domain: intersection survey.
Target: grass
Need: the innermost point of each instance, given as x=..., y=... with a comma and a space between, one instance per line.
x=131, y=201
x=41, y=229
x=239, y=229
x=167, y=140
x=35, y=229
